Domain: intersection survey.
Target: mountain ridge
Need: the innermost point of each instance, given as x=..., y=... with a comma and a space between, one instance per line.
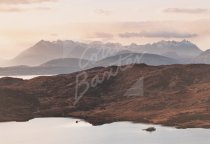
x=204, y=57
x=136, y=58
x=184, y=49
x=69, y=65
x=45, y=51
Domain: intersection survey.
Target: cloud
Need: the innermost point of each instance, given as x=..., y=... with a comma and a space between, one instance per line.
x=15, y=9
x=104, y=35
x=10, y=9
x=101, y=35
x=159, y=34
x=13, y=2
x=103, y=12
x=10, y=5
x=183, y=10
x=40, y=8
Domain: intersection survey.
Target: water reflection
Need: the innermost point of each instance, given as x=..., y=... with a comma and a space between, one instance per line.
x=67, y=131
x=25, y=77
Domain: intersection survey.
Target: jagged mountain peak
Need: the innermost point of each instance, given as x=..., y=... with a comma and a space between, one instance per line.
x=44, y=51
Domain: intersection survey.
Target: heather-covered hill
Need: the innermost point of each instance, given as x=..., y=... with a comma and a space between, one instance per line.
x=175, y=95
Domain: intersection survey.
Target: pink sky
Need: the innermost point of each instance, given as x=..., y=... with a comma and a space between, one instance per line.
x=24, y=22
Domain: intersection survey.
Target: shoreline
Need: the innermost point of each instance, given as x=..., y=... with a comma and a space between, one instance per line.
x=97, y=122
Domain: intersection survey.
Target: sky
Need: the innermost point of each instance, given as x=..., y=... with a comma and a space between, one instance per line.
x=25, y=22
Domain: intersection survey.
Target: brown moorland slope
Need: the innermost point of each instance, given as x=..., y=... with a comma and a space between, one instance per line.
x=174, y=95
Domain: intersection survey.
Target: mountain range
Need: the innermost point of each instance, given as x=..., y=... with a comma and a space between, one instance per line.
x=59, y=57
x=184, y=49
x=45, y=51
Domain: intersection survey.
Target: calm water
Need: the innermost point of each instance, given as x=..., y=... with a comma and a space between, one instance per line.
x=66, y=131
x=25, y=77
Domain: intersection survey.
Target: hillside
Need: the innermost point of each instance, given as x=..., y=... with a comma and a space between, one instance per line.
x=67, y=62
x=175, y=95
x=39, y=53
x=57, y=66
x=136, y=58
x=204, y=58
x=69, y=65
